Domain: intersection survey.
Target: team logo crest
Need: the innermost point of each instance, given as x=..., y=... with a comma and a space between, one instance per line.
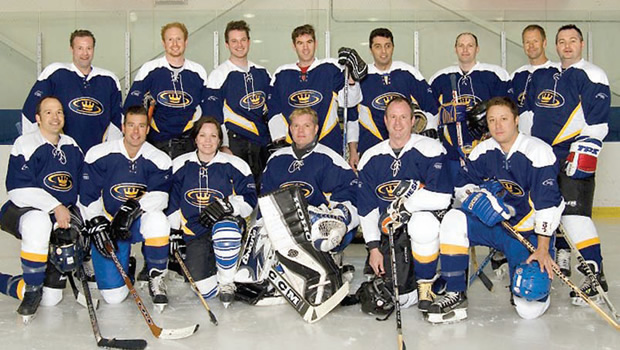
x=200, y=197
x=253, y=100
x=125, y=191
x=381, y=101
x=59, y=181
x=385, y=191
x=86, y=106
x=549, y=99
x=512, y=188
x=305, y=188
x=174, y=99
x=469, y=100
x=305, y=98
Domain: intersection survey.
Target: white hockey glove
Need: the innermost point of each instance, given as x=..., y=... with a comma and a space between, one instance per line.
x=328, y=227
x=582, y=159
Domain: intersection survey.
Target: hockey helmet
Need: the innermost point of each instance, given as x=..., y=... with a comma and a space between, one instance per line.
x=65, y=253
x=375, y=297
x=477, y=120
x=529, y=282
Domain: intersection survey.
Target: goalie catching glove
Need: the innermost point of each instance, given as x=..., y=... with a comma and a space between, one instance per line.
x=350, y=58
x=124, y=218
x=396, y=214
x=328, y=227
x=215, y=211
x=582, y=159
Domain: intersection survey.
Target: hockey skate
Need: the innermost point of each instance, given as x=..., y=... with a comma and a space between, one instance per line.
x=450, y=308
x=563, y=261
x=157, y=289
x=499, y=264
x=32, y=298
x=587, y=288
x=425, y=294
x=227, y=294
x=143, y=276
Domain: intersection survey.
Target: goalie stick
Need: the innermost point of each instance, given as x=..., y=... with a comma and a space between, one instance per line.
x=194, y=286
x=158, y=332
x=563, y=277
x=589, y=273
x=308, y=312
x=131, y=344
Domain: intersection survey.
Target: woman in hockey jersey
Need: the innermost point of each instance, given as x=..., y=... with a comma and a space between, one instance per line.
x=211, y=194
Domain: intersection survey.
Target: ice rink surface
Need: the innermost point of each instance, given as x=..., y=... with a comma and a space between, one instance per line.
x=492, y=323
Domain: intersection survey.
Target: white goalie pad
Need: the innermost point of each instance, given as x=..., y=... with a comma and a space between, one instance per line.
x=257, y=256
x=327, y=227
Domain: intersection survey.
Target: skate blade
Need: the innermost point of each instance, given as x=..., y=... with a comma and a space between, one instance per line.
x=226, y=305
x=501, y=271
x=26, y=320
x=447, y=318
x=159, y=307
x=577, y=301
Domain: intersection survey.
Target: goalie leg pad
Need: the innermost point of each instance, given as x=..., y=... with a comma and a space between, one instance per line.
x=257, y=257
x=311, y=273
x=207, y=287
x=226, y=246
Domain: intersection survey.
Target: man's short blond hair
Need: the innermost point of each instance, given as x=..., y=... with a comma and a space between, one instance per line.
x=179, y=25
x=305, y=110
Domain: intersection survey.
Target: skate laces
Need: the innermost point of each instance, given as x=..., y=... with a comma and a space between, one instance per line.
x=228, y=288
x=564, y=259
x=156, y=282
x=449, y=299
x=425, y=291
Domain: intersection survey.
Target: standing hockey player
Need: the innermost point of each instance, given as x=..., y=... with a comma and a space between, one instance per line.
x=90, y=96
x=124, y=190
x=42, y=181
x=569, y=109
x=212, y=193
x=510, y=177
x=404, y=158
x=242, y=110
x=175, y=87
x=315, y=83
x=385, y=80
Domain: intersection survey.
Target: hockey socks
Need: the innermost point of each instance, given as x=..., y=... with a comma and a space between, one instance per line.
x=12, y=285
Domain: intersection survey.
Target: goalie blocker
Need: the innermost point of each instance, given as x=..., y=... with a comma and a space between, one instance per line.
x=311, y=281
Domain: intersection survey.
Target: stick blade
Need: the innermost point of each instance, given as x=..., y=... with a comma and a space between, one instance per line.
x=130, y=344
x=178, y=333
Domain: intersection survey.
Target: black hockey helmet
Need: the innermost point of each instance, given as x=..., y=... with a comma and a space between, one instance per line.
x=66, y=253
x=477, y=120
x=375, y=297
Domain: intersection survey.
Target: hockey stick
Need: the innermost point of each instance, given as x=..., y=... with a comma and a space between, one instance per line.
x=479, y=270
x=194, y=286
x=589, y=273
x=399, y=321
x=158, y=332
x=562, y=277
x=79, y=297
x=345, y=93
x=114, y=343
x=308, y=312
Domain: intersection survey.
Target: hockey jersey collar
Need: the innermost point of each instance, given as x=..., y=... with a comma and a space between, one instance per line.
x=515, y=146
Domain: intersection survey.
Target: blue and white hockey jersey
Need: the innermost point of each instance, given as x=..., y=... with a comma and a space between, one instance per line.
x=111, y=177
x=92, y=104
x=520, y=79
x=41, y=175
x=379, y=88
x=528, y=173
x=323, y=176
x=481, y=83
x=178, y=94
x=239, y=99
x=563, y=104
x=196, y=184
x=381, y=170
x=318, y=88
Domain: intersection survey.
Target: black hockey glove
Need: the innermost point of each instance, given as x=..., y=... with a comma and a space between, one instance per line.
x=97, y=230
x=215, y=211
x=432, y=133
x=177, y=243
x=357, y=67
x=124, y=218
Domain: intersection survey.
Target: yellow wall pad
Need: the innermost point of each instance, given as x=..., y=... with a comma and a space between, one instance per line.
x=606, y=212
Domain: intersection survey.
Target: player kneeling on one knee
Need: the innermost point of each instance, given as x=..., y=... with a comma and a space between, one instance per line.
x=509, y=178
x=212, y=192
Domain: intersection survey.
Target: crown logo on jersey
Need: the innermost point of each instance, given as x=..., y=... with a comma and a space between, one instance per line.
x=305, y=188
x=124, y=191
x=200, y=197
x=86, y=106
x=174, y=99
x=305, y=98
x=253, y=100
x=385, y=191
x=512, y=188
x=469, y=100
x=380, y=102
x=549, y=99
x=59, y=181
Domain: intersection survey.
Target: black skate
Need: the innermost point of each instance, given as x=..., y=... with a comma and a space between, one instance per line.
x=157, y=289
x=32, y=298
x=587, y=288
x=452, y=307
x=563, y=261
x=227, y=294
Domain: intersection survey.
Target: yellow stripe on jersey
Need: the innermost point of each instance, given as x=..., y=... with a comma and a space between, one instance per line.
x=153, y=125
x=184, y=227
x=330, y=120
x=33, y=257
x=451, y=249
x=240, y=121
x=561, y=137
x=365, y=119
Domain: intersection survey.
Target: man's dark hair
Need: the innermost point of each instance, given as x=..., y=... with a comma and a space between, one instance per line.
x=37, y=109
x=301, y=30
x=81, y=33
x=237, y=25
x=503, y=101
x=540, y=29
x=569, y=27
x=382, y=32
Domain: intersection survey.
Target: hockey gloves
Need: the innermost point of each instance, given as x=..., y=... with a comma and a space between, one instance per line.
x=490, y=209
x=350, y=58
x=97, y=229
x=328, y=227
x=177, y=243
x=581, y=161
x=124, y=218
x=396, y=214
x=215, y=211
